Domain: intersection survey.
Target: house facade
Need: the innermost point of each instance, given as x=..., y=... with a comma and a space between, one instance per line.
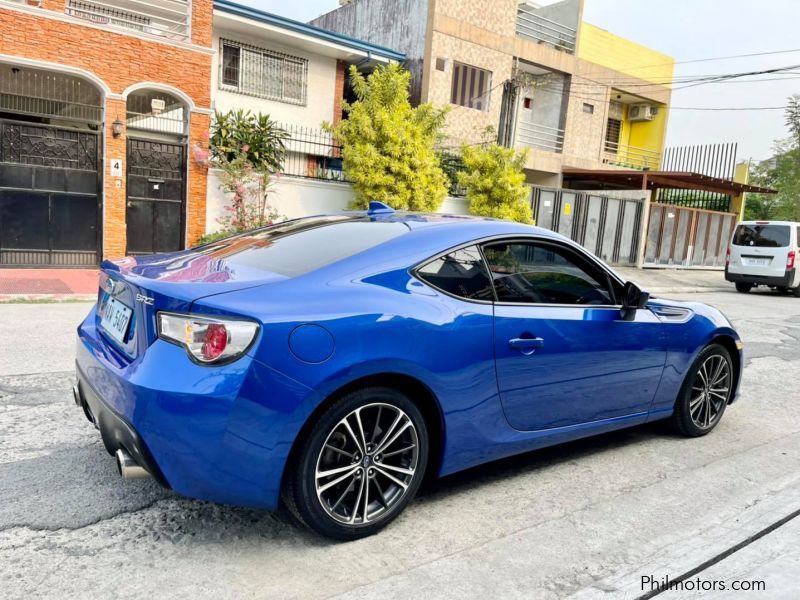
x=104, y=104
x=99, y=104
x=295, y=73
x=574, y=95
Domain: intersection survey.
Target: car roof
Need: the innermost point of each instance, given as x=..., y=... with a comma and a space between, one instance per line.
x=428, y=235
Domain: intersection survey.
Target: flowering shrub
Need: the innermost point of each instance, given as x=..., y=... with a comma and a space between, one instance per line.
x=249, y=189
x=249, y=150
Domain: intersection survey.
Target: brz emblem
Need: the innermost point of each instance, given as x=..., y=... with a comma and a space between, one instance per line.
x=144, y=299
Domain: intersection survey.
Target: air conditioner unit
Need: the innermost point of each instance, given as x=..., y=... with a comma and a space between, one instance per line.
x=642, y=112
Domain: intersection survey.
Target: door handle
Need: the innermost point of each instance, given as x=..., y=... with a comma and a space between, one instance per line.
x=526, y=345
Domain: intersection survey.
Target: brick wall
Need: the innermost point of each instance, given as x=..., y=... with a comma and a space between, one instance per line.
x=338, y=91
x=121, y=61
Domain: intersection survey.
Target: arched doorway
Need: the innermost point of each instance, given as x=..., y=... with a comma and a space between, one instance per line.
x=156, y=126
x=50, y=168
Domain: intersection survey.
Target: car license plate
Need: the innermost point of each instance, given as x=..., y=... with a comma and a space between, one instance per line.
x=758, y=262
x=115, y=318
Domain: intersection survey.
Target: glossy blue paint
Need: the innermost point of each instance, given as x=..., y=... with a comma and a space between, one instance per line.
x=503, y=378
x=591, y=365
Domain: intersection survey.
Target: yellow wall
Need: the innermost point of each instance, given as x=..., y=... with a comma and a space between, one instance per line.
x=633, y=60
x=649, y=134
x=741, y=175
x=604, y=48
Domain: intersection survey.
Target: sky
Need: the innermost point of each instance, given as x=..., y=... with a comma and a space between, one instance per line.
x=691, y=30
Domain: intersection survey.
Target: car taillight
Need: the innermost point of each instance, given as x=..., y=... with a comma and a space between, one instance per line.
x=207, y=340
x=728, y=255
x=790, y=260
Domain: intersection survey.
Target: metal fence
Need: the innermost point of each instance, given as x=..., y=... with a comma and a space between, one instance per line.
x=534, y=26
x=45, y=94
x=608, y=224
x=166, y=18
x=313, y=153
x=714, y=160
x=542, y=137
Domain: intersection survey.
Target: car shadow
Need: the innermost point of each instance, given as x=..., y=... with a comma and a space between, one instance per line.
x=202, y=521
x=519, y=464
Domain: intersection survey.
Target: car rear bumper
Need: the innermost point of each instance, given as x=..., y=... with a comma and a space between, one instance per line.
x=786, y=280
x=221, y=434
x=116, y=432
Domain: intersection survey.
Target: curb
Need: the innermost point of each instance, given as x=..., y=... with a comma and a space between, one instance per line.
x=46, y=298
x=687, y=290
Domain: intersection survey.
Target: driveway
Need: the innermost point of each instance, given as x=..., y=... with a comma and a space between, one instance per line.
x=588, y=519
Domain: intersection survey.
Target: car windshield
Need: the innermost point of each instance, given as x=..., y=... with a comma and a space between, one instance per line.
x=764, y=236
x=303, y=245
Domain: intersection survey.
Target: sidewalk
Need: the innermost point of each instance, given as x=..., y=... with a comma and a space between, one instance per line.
x=676, y=281
x=50, y=285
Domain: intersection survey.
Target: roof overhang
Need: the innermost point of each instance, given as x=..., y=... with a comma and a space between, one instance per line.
x=253, y=22
x=647, y=180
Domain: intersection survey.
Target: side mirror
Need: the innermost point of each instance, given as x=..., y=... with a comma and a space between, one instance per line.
x=633, y=298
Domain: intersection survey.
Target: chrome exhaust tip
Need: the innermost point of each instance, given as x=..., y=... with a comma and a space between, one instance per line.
x=76, y=395
x=128, y=468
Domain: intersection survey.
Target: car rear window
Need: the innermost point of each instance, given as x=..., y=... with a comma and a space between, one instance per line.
x=764, y=236
x=303, y=245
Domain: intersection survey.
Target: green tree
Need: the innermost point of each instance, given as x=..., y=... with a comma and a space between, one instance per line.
x=388, y=146
x=495, y=182
x=793, y=117
x=782, y=173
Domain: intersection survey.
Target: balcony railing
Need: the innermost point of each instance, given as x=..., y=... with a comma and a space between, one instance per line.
x=540, y=136
x=533, y=26
x=169, y=19
x=631, y=157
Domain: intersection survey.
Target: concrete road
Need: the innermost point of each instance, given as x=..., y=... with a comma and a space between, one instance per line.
x=584, y=520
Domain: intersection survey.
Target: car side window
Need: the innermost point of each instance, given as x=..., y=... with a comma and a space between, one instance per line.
x=542, y=273
x=461, y=273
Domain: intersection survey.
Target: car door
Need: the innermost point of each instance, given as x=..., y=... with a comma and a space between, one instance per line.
x=563, y=354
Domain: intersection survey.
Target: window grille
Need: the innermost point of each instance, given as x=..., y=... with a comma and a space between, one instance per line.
x=613, y=131
x=471, y=87
x=263, y=73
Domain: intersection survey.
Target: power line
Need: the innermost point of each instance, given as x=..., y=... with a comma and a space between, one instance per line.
x=726, y=108
x=715, y=58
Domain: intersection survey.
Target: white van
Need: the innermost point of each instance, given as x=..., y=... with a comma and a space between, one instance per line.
x=764, y=253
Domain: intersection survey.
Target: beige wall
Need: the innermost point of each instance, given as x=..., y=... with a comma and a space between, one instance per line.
x=496, y=16
x=466, y=124
x=584, y=138
x=585, y=133
x=320, y=93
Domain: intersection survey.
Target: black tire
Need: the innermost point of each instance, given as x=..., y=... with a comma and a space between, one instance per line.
x=796, y=292
x=782, y=289
x=687, y=420
x=377, y=405
x=743, y=288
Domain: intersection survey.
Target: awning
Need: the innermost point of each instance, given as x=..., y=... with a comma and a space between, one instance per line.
x=583, y=179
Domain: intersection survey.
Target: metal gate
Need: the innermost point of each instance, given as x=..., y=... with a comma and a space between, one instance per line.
x=156, y=205
x=608, y=226
x=50, y=208
x=687, y=237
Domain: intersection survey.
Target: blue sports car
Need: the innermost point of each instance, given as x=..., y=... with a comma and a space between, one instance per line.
x=328, y=364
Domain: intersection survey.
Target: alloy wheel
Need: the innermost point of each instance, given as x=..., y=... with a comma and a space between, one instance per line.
x=710, y=391
x=366, y=464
